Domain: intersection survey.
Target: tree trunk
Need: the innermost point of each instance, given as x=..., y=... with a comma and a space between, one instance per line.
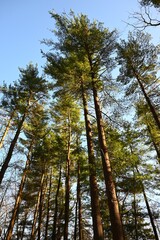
x=152, y=109
x=115, y=217
x=149, y=211
x=40, y=209
x=78, y=208
x=6, y=129
x=59, y=234
x=10, y=151
x=76, y=215
x=150, y=216
x=56, y=207
x=24, y=224
x=18, y=198
x=36, y=209
x=135, y=213
x=17, y=225
x=67, y=184
x=6, y=189
x=96, y=215
x=80, y=219
x=48, y=206
x=154, y=143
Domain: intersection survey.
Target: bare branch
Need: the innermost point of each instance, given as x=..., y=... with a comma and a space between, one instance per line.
x=144, y=19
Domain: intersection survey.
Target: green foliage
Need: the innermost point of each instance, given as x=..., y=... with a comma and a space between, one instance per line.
x=84, y=52
x=137, y=56
x=30, y=87
x=154, y=3
x=148, y=128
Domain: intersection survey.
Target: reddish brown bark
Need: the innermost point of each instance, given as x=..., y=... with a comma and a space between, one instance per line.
x=6, y=129
x=115, y=217
x=96, y=215
x=152, y=109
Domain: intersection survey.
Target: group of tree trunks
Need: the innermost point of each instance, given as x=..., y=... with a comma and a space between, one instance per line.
x=75, y=186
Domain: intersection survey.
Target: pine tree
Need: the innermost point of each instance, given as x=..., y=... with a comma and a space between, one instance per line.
x=138, y=69
x=34, y=130
x=24, y=94
x=95, y=46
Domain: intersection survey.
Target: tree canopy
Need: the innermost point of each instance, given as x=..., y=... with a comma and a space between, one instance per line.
x=80, y=145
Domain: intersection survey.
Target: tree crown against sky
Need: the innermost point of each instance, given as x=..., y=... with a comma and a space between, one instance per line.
x=154, y=3
x=83, y=49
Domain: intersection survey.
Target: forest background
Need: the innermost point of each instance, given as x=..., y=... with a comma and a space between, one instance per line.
x=56, y=179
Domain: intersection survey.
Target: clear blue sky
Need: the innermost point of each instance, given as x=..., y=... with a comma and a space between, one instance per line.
x=24, y=23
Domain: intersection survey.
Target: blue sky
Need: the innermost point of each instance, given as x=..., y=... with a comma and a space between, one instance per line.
x=24, y=23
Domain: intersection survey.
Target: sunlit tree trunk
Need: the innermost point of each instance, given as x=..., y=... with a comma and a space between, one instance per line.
x=152, y=109
x=115, y=217
x=6, y=129
x=96, y=215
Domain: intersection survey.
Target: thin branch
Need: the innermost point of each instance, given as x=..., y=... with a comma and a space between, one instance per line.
x=144, y=19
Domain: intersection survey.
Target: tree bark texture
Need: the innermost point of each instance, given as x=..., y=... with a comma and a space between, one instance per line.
x=96, y=215
x=6, y=129
x=11, y=149
x=115, y=217
x=152, y=109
